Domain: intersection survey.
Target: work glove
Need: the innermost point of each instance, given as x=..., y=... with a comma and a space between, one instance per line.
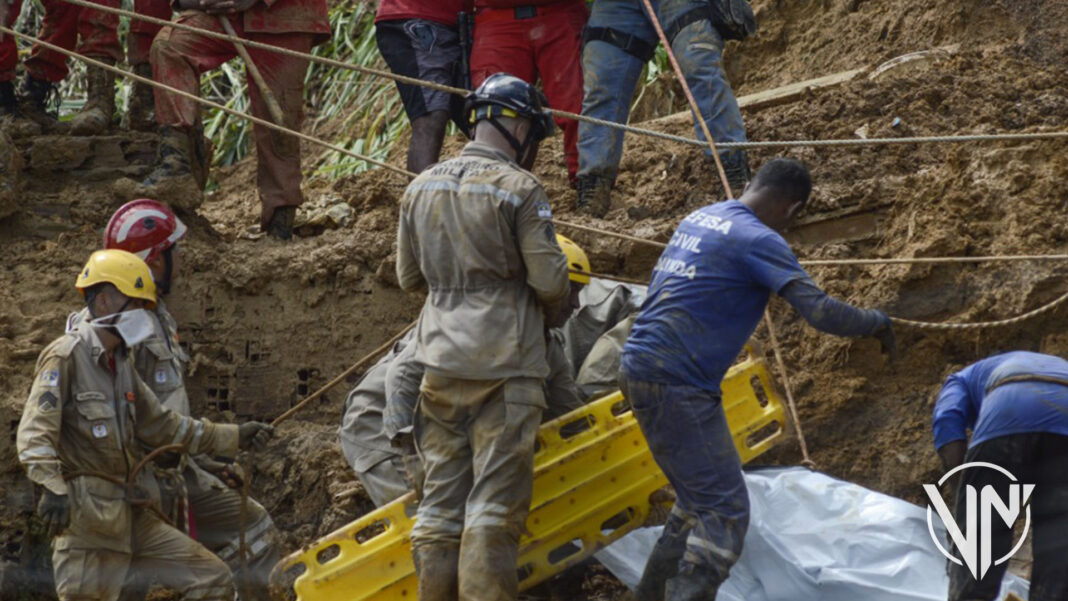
x=227, y=472
x=886, y=338
x=254, y=435
x=54, y=511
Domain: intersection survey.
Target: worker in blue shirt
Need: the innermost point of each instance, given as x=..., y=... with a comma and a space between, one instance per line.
x=1016, y=405
x=708, y=292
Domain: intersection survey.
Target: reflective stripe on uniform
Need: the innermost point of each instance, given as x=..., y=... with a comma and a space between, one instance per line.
x=437, y=520
x=695, y=545
x=182, y=429
x=253, y=540
x=210, y=593
x=454, y=187
x=198, y=432
x=487, y=515
x=35, y=453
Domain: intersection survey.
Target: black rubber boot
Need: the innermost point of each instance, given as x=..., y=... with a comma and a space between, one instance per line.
x=8, y=100
x=663, y=562
x=38, y=101
x=594, y=194
x=437, y=569
x=281, y=224
x=736, y=167
x=693, y=584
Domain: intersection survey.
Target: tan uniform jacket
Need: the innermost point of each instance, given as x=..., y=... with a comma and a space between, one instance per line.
x=477, y=230
x=82, y=416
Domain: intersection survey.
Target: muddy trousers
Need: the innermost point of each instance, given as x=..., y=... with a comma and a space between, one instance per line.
x=180, y=57
x=9, y=52
x=612, y=72
x=174, y=559
x=1037, y=458
x=687, y=432
x=476, y=442
x=89, y=32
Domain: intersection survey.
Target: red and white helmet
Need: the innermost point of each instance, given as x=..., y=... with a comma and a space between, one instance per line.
x=144, y=227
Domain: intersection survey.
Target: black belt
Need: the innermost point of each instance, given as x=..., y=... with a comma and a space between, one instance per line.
x=702, y=13
x=629, y=43
x=526, y=12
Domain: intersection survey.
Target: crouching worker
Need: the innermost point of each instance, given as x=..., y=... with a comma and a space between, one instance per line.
x=80, y=435
x=477, y=231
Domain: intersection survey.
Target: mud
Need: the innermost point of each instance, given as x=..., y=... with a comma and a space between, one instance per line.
x=268, y=322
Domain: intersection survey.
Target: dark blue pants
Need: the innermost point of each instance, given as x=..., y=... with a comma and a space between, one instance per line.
x=612, y=74
x=687, y=432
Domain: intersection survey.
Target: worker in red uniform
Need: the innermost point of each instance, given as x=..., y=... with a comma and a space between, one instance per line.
x=422, y=39
x=531, y=39
x=142, y=115
x=91, y=33
x=9, y=57
x=179, y=57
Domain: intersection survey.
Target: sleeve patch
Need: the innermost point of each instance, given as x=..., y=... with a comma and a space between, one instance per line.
x=50, y=377
x=545, y=211
x=47, y=402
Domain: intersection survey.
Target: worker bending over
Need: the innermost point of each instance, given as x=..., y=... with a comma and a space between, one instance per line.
x=535, y=39
x=708, y=292
x=477, y=231
x=1016, y=406
x=179, y=58
x=80, y=437
x=194, y=489
x=619, y=40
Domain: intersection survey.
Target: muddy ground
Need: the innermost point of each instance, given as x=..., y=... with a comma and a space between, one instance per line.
x=267, y=322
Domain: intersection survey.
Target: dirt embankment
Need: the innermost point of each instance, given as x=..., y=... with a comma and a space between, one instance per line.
x=268, y=322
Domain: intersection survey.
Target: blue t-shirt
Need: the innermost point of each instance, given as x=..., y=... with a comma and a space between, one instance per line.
x=1014, y=408
x=708, y=293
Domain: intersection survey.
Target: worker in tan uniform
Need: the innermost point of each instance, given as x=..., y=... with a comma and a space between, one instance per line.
x=79, y=439
x=195, y=493
x=477, y=231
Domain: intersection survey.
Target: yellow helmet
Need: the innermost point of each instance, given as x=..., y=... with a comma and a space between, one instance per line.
x=576, y=260
x=124, y=270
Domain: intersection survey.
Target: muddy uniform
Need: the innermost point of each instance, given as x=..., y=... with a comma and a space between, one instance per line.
x=215, y=508
x=180, y=57
x=477, y=231
x=88, y=412
x=89, y=32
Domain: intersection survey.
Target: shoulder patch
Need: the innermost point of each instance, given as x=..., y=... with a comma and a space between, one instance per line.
x=47, y=401
x=545, y=210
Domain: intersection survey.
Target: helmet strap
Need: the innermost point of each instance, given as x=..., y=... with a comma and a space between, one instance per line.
x=164, y=285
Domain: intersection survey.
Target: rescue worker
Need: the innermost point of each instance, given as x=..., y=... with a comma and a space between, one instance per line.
x=79, y=439
x=477, y=231
x=618, y=42
x=534, y=39
x=1016, y=407
x=376, y=429
x=141, y=114
x=180, y=57
x=9, y=57
x=192, y=485
x=91, y=33
x=708, y=292
x=422, y=39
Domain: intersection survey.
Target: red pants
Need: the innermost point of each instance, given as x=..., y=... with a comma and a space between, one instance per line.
x=94, y=33
x=548, y=44
x=9, y=52
x=178, y=59
x=139, y=44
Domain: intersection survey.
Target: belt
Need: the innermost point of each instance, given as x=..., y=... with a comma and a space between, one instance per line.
x=517, y=13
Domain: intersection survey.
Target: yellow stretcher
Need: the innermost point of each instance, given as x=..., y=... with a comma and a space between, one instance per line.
x=593, y=478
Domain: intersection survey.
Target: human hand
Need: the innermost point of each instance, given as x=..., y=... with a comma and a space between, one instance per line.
x=887, y=339
x=54, y=511
x=227, y=472
x=220, y=7
x=254, y=435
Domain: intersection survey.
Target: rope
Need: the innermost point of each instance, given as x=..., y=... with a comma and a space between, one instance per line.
x=203, y=101
x=246, y=580
x=341, y=378
x=806, y=460
x=558, y=113
x=926, y=325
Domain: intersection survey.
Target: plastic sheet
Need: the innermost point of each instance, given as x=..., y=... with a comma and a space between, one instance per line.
x=812, y=537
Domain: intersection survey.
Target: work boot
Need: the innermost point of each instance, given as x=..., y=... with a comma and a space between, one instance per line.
x=174, y=180
x=736, y=167
x=663, y=562
x=141, y=115
x=692, y=584
x=594, y=194
x=95, y=117
x=38, y=101
x=488, y=558
x=437, y=567
x=281, y=223
x=8, y=101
